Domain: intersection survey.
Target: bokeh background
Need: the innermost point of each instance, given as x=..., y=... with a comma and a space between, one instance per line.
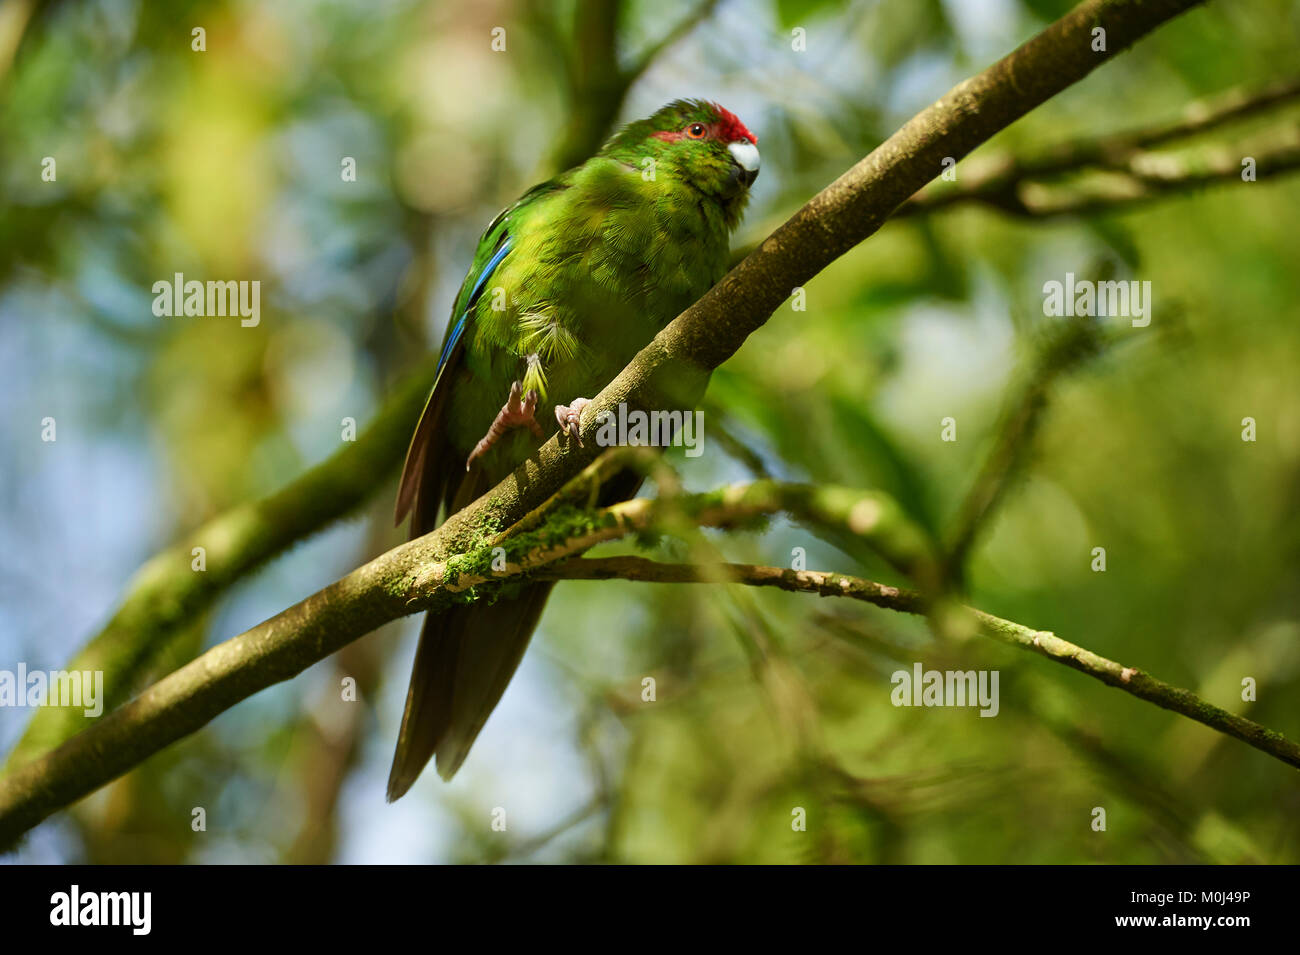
x=226, y=164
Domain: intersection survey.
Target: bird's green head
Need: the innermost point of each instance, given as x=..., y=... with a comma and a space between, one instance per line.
x=695, y=142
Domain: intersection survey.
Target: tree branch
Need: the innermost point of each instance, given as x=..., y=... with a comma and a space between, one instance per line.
x=1129, y=679
x=1015, y=185
x=1145, y=178
x=1117, y=148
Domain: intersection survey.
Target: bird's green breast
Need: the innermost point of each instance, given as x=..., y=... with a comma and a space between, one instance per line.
x=595, y=270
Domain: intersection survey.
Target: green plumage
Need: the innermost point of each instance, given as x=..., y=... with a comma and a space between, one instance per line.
x=566, y=286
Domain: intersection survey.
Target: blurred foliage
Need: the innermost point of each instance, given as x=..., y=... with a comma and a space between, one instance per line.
x=226, y=164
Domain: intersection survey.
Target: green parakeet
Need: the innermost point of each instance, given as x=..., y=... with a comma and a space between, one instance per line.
x=566, y=286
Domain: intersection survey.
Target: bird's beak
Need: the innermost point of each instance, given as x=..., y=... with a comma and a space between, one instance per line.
x=745, y=155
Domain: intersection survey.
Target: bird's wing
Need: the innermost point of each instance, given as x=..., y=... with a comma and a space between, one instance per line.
x=493, y=248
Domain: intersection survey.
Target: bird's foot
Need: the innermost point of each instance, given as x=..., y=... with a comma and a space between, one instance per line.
x=570, y=418
x=517, y=412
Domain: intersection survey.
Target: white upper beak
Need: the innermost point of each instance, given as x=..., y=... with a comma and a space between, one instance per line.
x=745, y=154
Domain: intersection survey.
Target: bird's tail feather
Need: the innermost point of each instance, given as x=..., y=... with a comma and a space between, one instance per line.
x=465, y=659
x=469, y=652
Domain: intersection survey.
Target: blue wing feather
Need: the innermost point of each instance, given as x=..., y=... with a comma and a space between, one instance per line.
x=463, y=320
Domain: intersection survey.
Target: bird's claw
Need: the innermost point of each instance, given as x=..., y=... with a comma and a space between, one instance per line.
x=517, y=412
x=570, y=418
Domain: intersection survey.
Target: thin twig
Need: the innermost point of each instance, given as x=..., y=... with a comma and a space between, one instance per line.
x=1015, y=185
x=1129, y=679
x=1197, y=118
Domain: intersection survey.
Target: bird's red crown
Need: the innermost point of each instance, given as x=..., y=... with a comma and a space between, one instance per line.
x=730, y=128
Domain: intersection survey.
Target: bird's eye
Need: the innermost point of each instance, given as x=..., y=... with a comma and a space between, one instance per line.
x=695, y=131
